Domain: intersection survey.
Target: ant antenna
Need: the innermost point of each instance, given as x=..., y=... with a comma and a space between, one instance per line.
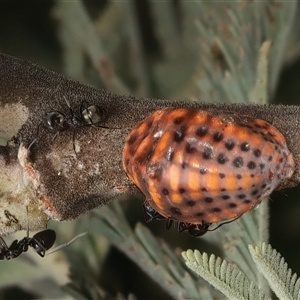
x=67, y=243
x=227, y=222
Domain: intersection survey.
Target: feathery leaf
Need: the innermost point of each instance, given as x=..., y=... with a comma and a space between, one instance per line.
x=275, y=269
x=222, y=275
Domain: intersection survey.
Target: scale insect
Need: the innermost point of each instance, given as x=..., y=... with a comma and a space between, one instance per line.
x=200, y=168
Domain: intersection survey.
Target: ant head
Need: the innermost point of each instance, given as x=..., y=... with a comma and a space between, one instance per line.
x=87, y=115
x=92, y=115
x=198, y=229
x=194, y=229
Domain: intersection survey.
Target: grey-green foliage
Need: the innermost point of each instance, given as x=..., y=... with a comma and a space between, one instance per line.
x=224, y=276
x=230, y=35
x=155, y=257
x=283, y=282
x=208, y=50
x=235, y=284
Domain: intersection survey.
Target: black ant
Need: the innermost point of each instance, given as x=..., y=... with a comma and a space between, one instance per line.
x=57, y=121
x=193, y=229
x=40, y=242
x=89, y=116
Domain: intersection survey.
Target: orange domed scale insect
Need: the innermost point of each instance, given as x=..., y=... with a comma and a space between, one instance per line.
x=200, y=168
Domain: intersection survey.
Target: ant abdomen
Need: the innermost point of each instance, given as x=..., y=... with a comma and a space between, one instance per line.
x=55, y=121
x=43, y=241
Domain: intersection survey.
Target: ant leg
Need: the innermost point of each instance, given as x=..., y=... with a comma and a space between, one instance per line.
x=73, y=140
x=71, y=110
x=66, y=244
x=27, y=229
x=169, y=223
x=3, y=244
x=31, y=144
x=36, y=139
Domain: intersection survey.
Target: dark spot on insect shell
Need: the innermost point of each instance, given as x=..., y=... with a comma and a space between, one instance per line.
x=257, y=153
x=203, y=171
x=262, y=166
x=207, y=153
x=199, y=214
x=238, y=162
x=201, y=131
x=241, y=196
x=190, y=203
x=165, y=192
x=149, y=154
x=208, y=199
x=141, y=159
x=221, y=175
x=247, y=201
x=190, y=148
x=229, y=144
x=245, y=147
x=232, y=205
x=222, y=159
x=216, y=210
x=218, y=136
x=254, y=192
x=251, y=165
x=184, y=165
x=239, y=176
x=132, y=139
x=178, y=120
x=179, y=134
x=181, y=190
x=225, y=197
x=175, y=211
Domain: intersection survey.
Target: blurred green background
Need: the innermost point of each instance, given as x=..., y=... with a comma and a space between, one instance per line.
x=132, y=50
